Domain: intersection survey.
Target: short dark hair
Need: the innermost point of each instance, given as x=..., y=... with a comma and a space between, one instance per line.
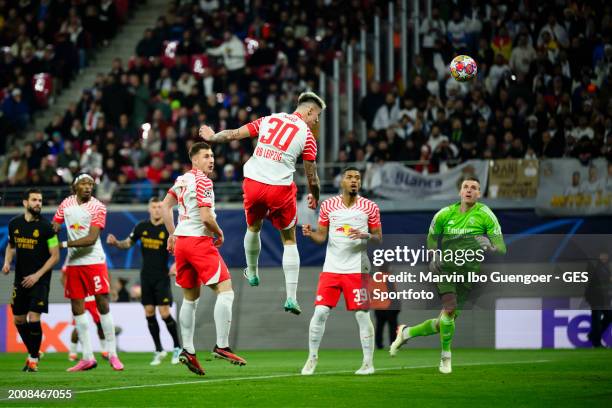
x=33, y=190
x=154, y=200
x=196, y=147
x=471, y=178
x=350, y=168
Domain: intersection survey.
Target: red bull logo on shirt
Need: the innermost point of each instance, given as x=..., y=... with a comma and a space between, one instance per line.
x=77, y=226
x=344, y=229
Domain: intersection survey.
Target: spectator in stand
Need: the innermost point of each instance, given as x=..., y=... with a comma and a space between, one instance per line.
x=14, y=170
x=16, y=110
x=233, y=53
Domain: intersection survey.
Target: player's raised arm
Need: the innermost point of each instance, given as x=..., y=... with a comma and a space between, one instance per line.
x=224, y=136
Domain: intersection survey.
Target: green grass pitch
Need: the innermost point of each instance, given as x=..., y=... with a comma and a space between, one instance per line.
x=488, y=378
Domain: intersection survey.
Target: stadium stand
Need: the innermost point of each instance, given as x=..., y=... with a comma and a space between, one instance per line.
x=543, y=90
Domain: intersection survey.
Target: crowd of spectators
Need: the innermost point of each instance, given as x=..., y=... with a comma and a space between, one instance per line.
x=543, y=90
x=43, y=45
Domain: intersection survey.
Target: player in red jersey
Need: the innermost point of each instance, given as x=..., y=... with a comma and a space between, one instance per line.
x=86, y=271
x=269, y=190
x=194, y=241
x=347, y=222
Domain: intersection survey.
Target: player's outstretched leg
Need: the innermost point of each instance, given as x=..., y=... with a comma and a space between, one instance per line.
x=187, y=320
x=88, y=361
x=223, y=323
x=366, y=335
x=447, y=331
x=291, y=268
x=316, y=330
x=404, y=333
x=252, y=248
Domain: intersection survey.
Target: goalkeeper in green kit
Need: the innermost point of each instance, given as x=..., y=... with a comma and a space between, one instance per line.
x=464, y=227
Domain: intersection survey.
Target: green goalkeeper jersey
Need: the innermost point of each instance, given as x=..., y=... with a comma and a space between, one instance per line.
x=453, y=229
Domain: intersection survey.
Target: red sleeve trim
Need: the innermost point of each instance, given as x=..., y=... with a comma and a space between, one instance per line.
x=253, y=127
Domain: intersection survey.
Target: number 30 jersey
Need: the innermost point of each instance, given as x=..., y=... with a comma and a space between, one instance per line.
x=281, y=139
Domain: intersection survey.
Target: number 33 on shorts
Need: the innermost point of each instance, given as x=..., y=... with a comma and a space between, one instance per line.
x=360, y=296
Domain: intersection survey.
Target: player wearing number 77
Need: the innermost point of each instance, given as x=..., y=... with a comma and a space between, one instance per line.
x=349, y=221
x=269, y=190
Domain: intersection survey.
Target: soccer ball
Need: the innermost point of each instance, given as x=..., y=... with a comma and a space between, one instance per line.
x=463, y=68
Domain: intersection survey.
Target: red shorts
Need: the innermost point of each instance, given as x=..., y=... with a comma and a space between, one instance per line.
x=353, y=285
x=277, y=203
x=198, y=262
x=85, y=280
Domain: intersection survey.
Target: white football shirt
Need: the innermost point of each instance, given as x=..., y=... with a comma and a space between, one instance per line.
x=192, y=190
x=346, y=255
x=79, y=218
x=281, y=139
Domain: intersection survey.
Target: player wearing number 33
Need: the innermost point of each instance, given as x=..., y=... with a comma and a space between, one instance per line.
x=269, y=190
x=347, y=222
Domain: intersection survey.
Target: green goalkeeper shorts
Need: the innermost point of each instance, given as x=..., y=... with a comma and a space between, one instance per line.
x=460, y=289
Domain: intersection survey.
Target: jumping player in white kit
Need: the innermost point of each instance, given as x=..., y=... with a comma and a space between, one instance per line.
x=269, y=190
x=347, y=222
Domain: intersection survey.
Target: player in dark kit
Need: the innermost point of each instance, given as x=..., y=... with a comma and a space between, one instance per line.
x=154, y=276
x=33, y=240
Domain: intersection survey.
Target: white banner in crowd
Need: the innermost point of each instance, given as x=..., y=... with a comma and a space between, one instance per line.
x=396, y=181
x=568, y=188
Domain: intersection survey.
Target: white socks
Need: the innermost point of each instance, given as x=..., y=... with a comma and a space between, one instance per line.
x=366, y=334
x=223, y=317
x=187, y=320
x=82, y=329
x=317, y=328
x=252, y=248
x=291, y=267
x=108, y=327
x=73, y=347
x=103, y=345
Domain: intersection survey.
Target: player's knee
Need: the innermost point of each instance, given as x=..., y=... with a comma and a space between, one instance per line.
x=150, y=311
x=321, y=314
x=164, y=311
x=33, y=317
x=255, y=227
x=102, y=303
x=78, y=307
x=19, y=320
x=450, y=310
